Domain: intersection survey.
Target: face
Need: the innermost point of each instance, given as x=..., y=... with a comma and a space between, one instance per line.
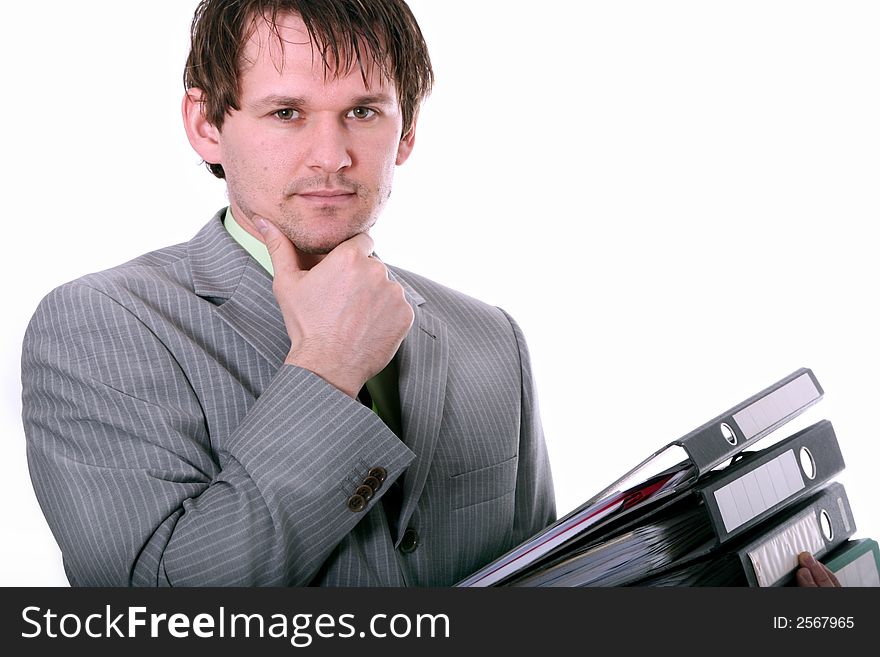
x=312, y=152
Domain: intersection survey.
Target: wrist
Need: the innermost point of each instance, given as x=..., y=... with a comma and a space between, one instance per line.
x=343, y=380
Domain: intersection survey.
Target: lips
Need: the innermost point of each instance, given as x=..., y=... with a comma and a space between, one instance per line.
x=327, y=193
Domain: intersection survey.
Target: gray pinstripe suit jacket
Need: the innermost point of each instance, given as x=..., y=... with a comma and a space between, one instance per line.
x=168, y=445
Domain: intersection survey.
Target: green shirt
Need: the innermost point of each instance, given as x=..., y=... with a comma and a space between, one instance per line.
x=382, y=387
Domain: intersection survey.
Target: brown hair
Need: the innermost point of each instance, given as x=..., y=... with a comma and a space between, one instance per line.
x=340, y=29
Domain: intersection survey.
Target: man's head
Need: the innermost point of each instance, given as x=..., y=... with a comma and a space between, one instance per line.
x=305, y=107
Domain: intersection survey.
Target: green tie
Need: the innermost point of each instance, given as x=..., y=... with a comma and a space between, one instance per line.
x=384, y=397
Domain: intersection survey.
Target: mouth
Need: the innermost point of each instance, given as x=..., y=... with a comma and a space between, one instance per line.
x=327, y=195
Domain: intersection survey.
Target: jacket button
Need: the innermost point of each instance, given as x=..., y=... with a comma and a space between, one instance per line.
x=356, y=503
x=364, y=491
x=379, y=473
x=373, y=483
x=410, y=541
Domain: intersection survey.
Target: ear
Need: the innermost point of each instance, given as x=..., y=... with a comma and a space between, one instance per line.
x=203, y=135
x=404, y=148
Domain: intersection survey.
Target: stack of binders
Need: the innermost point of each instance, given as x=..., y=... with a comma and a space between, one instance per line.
x=721, y=514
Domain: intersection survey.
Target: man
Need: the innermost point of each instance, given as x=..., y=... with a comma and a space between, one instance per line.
x=269, y=404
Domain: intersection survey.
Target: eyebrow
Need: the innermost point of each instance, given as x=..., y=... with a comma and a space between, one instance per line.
x=276, y=100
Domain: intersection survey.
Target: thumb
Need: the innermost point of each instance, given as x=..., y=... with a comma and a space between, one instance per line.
x=281, y=249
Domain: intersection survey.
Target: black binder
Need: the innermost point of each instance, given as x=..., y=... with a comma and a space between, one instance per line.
x=725, y=436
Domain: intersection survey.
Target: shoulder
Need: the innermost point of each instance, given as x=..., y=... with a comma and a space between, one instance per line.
x=163, y=268
x=168, y=266
x=448, y=303
x=162, y=272
x=472, y=319
x=142, y=291
x=100, y=299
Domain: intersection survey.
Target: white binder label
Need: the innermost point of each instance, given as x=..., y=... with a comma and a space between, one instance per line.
x=843, y=515
x=862, y=571
x=778, y=405
x=777, y=556
x=754, y=492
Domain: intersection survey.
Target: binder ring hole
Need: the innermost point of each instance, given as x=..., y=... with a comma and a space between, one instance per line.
x=808, y=463
x=728, y=434
x=825, y=523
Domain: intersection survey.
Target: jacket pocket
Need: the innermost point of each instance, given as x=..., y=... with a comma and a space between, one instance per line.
x=484, y=484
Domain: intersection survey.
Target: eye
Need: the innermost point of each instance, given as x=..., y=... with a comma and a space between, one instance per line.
x=287, y=114
x=362, y=113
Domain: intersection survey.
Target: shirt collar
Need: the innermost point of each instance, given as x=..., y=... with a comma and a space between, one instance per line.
x=248, y=242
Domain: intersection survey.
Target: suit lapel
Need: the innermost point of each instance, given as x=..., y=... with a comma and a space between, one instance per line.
x=223, y=271
x=423, y=362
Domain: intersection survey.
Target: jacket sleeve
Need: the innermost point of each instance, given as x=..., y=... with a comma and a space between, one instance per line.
x=133, y=485
x=535, y=503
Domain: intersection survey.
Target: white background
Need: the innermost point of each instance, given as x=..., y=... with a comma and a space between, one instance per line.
x=676, y=200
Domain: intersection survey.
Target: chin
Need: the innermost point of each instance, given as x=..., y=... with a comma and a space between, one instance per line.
x=310, y=249
x=324, y=244
x=320, y=246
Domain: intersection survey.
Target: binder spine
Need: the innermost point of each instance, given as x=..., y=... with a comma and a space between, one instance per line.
x=729, y=433
x=771, y=479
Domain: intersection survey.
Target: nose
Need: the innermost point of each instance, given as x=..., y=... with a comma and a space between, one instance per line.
x=329, y=147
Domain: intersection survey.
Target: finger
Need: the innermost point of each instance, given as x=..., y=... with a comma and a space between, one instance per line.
x=361, y=243
x=823, y=577
x=804, y=578
x=818, y=572
x=281, y=250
